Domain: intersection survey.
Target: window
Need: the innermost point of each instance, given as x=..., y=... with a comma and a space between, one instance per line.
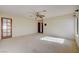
x=6, y=27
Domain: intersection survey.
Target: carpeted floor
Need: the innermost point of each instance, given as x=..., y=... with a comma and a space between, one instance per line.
x=34, y=44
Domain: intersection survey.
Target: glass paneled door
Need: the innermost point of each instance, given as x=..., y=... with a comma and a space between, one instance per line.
x=6, y=27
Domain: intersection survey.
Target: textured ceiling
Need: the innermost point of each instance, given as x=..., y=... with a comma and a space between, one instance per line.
x=28, y=10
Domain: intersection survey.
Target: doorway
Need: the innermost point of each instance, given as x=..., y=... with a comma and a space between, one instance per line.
x=40, y=27
x=6, y=28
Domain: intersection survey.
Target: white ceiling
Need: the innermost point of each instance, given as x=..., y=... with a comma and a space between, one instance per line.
x=27, y=10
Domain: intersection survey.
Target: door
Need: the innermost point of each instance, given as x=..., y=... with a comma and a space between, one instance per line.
x=40, y=27
x=6, y=28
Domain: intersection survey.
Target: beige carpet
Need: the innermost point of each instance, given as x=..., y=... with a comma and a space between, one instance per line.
x=33, y=44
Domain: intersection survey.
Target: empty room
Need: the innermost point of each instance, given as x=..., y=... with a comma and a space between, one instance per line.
x=39, y=28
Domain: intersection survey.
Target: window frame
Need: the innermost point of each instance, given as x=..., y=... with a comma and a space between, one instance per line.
x=4, y=37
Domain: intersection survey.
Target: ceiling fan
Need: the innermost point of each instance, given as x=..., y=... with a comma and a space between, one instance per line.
x=76, y=12
x=38, y=14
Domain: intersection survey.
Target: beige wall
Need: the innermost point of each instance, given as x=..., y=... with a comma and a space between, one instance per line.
x=61, y=26
x=22, y=26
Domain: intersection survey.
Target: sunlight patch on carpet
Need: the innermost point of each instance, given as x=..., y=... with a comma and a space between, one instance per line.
x=53, y=39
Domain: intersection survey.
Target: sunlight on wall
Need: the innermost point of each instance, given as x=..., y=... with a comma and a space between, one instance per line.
x=53, y=39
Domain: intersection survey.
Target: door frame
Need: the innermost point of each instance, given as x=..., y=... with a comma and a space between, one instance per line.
x=2, y=28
